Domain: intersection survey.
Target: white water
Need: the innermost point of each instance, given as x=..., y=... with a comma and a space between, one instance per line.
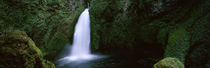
x=81, y=43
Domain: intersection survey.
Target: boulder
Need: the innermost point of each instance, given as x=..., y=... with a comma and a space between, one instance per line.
x=169, y=62
x=17, y=50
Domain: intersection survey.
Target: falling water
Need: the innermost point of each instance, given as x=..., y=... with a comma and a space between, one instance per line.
x=81, y=43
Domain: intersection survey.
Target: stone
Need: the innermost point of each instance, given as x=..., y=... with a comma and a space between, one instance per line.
x=169, y=62
x=17, y=50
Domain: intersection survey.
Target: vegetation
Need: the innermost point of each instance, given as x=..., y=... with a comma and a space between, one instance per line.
x=48, y=22
x=19, y=51
x=169, y=63
x=148, y=30
x=161, y=28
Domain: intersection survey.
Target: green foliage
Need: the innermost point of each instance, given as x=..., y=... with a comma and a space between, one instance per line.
x=188, y=32
x=43, y=20
x=47, y=64
x=106, y=30
x=97, y=7
x=177, y=27
x=115, y=25
x=55, y=44
x=153, y=27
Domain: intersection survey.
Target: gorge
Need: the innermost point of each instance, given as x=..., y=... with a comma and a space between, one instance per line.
x=133, y=33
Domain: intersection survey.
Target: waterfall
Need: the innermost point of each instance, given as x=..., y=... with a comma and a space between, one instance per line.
x=80, y=50
x=81, y=43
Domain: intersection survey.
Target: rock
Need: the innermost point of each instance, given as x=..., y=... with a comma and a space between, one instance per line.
x=17, y=50
x=178, y=43
x=169, y=63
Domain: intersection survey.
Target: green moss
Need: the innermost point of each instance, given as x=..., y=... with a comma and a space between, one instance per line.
x=19, y=51
x=107, y=28
x=40, y=19
x=48, y=64
x=150, y=31
x=34, y=48
x=178, y=43
x=55, y=43
x=97, y=7
x=169, y=63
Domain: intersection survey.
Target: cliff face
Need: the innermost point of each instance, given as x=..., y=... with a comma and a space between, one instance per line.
x=50, y=23
x=165, y=28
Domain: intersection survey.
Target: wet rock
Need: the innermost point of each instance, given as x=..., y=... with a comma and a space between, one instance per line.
x=169, y=63
x=17, y=50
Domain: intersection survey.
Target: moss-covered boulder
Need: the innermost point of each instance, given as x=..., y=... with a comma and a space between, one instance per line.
x=169, y=63
x=17, y=50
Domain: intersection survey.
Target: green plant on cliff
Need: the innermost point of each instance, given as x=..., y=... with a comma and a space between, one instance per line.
x=46, y=21
x=175, y=26
x=109, y=25
x=178, y=43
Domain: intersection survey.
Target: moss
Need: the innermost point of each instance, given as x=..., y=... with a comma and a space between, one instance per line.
x=19, y=51
x=34, y=48
x=150, y=31
x=190, y=33
x=54, y=45
x=178, y=43
x=15, y=35
x=41, y=19
x=48, y=64
x=169, y=63
x=108, y=31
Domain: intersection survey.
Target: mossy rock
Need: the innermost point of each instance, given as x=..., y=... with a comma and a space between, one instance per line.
x=169, y=63
x=48, y=64
x=178, y=43
x=17, y=50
